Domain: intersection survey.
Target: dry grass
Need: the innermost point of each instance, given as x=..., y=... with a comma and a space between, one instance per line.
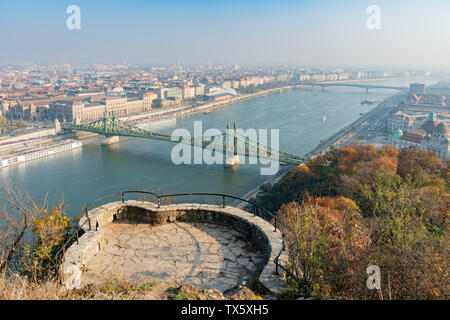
x=20, y=288
x=16, y=287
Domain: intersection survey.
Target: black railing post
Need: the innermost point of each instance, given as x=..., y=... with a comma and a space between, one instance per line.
x=275, y=230
x=123, y=197
x=159, y=201
x=77, y=236
x=254, y=210
x=223, y=201
x=87, y=217
x=96, y=225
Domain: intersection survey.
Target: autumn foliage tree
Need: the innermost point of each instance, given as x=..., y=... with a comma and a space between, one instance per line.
x=327, y=241
x=50, y=229
x=358, y=206
x=422, y=166
x=30, y=233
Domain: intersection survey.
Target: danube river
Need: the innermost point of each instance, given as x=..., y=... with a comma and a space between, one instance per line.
x=80, y=176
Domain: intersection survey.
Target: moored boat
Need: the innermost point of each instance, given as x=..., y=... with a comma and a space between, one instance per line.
x=38, y=152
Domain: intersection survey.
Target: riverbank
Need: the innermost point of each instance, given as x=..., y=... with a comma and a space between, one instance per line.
x=255, y=191
x=155, y=115
x=180, y=112
x=359, y=126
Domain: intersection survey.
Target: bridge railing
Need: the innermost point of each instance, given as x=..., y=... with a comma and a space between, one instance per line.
x=158, y=197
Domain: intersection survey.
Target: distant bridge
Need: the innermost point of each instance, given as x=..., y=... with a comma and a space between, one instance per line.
x=356, y=85
x=110, y=126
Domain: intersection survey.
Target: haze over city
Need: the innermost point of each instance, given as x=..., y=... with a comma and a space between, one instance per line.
x=326, y=32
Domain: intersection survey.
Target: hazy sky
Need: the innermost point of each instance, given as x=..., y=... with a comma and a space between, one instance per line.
x=321, y=32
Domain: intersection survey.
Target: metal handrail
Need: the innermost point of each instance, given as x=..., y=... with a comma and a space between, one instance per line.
x=75, y=233
x=88, y=206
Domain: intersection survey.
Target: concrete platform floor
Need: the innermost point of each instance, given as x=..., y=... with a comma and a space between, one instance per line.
x=205, y=255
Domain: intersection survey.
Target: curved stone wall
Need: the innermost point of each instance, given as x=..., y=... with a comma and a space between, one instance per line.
x=253, y=228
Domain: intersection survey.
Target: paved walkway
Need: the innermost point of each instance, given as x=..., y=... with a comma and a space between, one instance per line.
x=207, y=256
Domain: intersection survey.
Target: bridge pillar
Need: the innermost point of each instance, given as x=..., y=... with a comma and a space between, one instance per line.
x=232, y=161
x=110, y=140
x=233, y=158
x=57, y=126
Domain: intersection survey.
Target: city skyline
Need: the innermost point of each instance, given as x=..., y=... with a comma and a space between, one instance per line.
x=244, y=32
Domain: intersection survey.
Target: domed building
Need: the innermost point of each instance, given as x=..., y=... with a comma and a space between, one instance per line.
x=431, y=123
x=439, y=141
x=436, y=139
x=116, y=92
x=397, y=134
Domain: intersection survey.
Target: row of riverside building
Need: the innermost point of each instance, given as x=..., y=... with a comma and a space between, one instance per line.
x=93, y=108
x=86, y=106
x=423, y=121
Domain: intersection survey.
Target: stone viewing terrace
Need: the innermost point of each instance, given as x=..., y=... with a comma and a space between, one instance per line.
x=204, y=255
x=208, y=246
